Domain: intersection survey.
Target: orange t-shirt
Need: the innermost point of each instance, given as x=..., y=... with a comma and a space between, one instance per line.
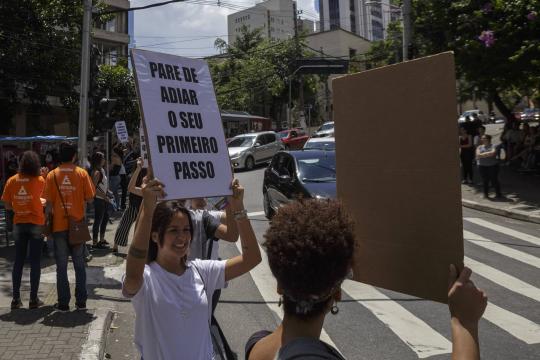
x=24, y=193
x=76, y=187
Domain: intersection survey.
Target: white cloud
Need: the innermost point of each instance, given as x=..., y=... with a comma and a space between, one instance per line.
x=190, y=29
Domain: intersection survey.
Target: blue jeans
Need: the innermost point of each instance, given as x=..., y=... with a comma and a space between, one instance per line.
x=62, y=250
x=27, y=235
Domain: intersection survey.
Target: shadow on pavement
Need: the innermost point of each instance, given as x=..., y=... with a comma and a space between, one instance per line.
x=49, y=317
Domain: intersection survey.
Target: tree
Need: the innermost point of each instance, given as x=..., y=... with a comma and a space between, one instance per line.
x=39, y=53
x=254, y=75
x=496, y=45
x=117, y=82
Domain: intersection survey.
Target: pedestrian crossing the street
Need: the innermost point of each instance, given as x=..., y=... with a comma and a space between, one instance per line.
x=510, y=321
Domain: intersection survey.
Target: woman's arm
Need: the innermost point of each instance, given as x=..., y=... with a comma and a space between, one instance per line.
x=132, y=188
x=228, y=230
x=96, y=180
x=467, y=304
x=251, y=254
x=136, y=258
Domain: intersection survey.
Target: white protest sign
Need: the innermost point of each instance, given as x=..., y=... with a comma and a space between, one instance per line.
x=184, y=133
x=144, y=153
x=121, y=131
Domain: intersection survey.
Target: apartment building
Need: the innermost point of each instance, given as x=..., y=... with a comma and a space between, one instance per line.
x=367, y=18
x=274, y=17
x=112, y=37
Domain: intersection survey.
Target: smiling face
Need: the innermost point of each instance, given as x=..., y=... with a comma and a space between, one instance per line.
x=176, y=238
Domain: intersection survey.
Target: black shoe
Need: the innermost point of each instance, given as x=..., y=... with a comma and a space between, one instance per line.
x=34, y=304
x=16, y=304
x=80, y=305
x=88, y=258
x=60, y=307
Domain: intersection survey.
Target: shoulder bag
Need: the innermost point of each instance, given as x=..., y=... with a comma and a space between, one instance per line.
x=78, y=233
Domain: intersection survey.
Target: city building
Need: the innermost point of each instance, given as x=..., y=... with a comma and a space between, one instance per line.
x=274, y=17
x=367, y=18
x=112, y=38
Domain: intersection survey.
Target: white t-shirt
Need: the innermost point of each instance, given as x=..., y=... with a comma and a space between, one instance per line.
x=172, y=312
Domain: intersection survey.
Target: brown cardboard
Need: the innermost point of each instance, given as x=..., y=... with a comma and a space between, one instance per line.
x=398, y=173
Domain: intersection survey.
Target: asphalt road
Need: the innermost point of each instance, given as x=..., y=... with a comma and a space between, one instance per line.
x=375, y=323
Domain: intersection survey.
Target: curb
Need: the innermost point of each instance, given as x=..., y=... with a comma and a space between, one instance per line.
x=94, y=346
x=513, y=214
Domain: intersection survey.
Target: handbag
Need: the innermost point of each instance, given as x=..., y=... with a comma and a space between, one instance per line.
x=78, y=233
x=48, y=226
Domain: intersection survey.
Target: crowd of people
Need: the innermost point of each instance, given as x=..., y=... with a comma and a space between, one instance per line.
x=519, y=148
x=173, y=271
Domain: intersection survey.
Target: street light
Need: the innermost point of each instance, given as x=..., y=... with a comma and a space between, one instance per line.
x=329, y=66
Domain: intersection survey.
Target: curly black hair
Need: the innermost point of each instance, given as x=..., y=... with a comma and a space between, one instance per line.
x=310, y=246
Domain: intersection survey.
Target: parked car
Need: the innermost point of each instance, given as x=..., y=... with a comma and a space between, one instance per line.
x=326, y=129
x=325, y=143
x=298, y=174
x=532, y=114
x=247, y=150
x=293, y=139
x=483, y=117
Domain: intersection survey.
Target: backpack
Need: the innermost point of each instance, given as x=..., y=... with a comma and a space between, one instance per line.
x=308, y=348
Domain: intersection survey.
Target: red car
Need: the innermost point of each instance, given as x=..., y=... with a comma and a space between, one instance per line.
x=293, y=139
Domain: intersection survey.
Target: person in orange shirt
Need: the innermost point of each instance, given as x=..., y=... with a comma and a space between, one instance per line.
x=70, y=186
x=22, y=194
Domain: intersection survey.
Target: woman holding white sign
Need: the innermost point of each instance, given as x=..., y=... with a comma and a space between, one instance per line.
x=170, y=294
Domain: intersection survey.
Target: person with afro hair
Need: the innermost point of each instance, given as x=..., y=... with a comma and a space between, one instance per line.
x=310, y=246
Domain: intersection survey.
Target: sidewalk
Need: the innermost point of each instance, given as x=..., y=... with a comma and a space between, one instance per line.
x=48, y=334
x=521, y=192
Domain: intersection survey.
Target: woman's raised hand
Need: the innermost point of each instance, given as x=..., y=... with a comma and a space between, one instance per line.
x=151, y=191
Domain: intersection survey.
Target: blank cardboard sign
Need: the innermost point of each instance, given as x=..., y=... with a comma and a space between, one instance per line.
x=398, y=173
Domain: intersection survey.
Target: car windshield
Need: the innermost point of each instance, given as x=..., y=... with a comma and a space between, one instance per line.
x=283, y=134
x=318, y=169
x=243, y=141
x=326, y=127
x=320, y=145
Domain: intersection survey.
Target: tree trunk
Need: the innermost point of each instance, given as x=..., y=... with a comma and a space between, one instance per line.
x=507, y=113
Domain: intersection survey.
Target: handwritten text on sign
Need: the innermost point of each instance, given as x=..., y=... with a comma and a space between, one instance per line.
x=121, y=131
x=185, y=141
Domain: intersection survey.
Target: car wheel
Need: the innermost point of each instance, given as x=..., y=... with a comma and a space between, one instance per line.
x=250, y=163
x=268, y=211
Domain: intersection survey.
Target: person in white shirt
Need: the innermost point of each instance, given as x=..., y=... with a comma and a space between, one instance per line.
x=171, y=295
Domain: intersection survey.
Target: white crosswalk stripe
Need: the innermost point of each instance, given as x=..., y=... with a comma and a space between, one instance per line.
x=516, y=325
x=414, y=332
x=502, y=279
x=504, y=230
x=502, y=249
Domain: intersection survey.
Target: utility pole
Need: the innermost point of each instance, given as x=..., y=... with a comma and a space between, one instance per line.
x=289, y=105
x=407, y=28
x=85, y=79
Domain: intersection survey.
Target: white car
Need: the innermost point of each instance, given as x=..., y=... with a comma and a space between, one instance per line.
x=326, y=130
x=322, y=143
x=470, y=114
x=246, y=150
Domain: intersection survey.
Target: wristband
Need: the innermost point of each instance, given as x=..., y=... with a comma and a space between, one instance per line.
x=242, y=214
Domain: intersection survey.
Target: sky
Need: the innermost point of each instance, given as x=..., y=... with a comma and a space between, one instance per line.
x=190, y=28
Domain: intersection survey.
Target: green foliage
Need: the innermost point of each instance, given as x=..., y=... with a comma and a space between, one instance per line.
x=254, y=74
x=118, y=81
x=507, y=67
x=39, y=53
